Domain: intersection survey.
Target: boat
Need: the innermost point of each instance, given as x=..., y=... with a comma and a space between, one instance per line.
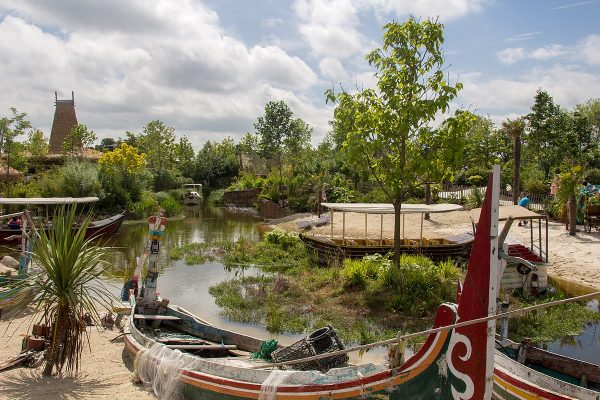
x=105, y=227
x=177, y=352
x=328, y=248
x=192, y=194
x=522, y=371
x=532, y=278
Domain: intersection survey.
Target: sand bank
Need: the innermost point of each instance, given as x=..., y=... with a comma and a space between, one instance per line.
x=105, y=373
x=573, y=258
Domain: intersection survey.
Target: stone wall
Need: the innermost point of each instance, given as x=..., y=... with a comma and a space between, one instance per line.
x=241, y=198
x=269, y=210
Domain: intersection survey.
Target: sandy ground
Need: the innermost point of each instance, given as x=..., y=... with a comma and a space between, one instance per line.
x=105, y=372
x=571, y=258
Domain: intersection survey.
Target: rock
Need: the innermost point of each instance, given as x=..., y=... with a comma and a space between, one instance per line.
x=10, y=262
x=6, y=271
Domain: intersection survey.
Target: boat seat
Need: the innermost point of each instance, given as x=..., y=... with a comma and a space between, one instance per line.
x=157, y=317
x=201, y=346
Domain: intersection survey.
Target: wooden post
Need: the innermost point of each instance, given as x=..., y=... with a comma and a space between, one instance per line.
x=427, y=197
x=381, y=231
x=366, y=227
x=331, y=221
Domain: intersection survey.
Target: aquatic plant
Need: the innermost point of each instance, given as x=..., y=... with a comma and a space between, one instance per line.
x=69, y=288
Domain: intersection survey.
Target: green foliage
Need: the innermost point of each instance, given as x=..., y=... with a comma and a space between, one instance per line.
x=74, y=179
x=69, y=287
x=217, y=164
x=550, y=324
x=246, y=181
x=536, y=186
x=198, y=253
x=474, y=199
x=386, y=131
x=78, y=139
x=171, y=206
x=13, y=127
x=358, y=273
x=215, y=197
x=145, y=206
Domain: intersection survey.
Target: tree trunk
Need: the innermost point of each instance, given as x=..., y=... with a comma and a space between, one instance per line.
x=572, y=215
x=397, y=215
x=517, y=170
x=427, y=197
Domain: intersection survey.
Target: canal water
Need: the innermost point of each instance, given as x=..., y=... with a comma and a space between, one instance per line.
x=187, y=286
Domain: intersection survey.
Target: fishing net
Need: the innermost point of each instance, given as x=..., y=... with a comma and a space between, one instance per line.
x=161, y=368
x=268, y=389
x=266, y=348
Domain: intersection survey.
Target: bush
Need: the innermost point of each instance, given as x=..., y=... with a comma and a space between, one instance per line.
x=247, y=181
x=358, y=273
x=215, y=198
x=170, y=205
x=536, y=186
x=144, y=207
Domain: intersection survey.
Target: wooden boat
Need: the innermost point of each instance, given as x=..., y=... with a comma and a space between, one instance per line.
x=455, y=362
x=522, y=371
x=192, y=194
x=333, y=248
x=104, y=227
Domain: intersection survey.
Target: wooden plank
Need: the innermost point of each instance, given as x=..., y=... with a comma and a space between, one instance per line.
x=565, y=365
x=156, y=317
x=202, y=346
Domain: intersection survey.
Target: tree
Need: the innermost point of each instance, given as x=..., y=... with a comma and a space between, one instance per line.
x=78, y=139
x=384, y=129
x=216, y=162
x=274, y=129
x=37, y=146
x=514, y=129
x=545, y=135
x=570, y=179
x=484, y=146
x=248, y=152
x=121, y=172
x=11, y=128
x=185, y=156
x=158, y=143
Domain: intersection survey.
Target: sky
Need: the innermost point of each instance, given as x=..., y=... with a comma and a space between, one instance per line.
x=208, y=67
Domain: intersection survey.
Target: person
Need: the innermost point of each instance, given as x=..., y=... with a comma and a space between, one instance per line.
x=130, y=288
x=523, y=202
x=14, y=223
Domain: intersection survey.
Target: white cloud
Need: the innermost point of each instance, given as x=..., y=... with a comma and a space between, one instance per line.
x=523, y=36
x=590, y=49
x=167, y=59
x=332, y=68
x=568, y=85
x=511, y=55
x=547, y=52
x=445, y=9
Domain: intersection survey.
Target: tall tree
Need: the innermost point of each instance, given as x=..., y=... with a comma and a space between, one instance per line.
x=11, y=128
x=158, y=143
x=514, y=129
x=185, y=155
x=37, y=146
x=545, y=133
x=384, y=129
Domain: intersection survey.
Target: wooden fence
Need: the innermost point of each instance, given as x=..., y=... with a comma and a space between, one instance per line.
x=538, y=202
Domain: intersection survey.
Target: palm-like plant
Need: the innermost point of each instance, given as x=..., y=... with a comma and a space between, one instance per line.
x=515, y=129
x=69, y=288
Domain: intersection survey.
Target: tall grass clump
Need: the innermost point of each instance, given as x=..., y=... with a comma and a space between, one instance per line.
x=414, y=288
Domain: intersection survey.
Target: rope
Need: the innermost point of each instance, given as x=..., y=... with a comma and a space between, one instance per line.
x=433, y=330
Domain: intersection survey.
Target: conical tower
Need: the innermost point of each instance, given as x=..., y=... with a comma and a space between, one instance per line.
x=64, y=120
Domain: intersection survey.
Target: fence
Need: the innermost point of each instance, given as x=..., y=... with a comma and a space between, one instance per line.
x=538, y=202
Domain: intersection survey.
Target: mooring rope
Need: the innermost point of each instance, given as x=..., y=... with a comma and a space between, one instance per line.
x=433, y=330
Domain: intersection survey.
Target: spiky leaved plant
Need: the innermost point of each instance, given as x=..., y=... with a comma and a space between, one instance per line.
x=70, y=286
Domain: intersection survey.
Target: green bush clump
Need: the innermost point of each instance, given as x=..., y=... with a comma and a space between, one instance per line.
x=145, y=206
x=282, y=238
x=170, y=205
x=247, y=181
x=415, y=288
x=215, y=198
x=537, y=186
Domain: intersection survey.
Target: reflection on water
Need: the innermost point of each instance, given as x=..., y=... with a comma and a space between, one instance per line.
x=187, y=285
x=587, y=345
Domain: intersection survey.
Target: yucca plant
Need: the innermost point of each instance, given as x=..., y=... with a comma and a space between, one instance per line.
x=69, y=287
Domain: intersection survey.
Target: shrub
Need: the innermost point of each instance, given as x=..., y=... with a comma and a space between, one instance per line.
x=145, y=206
x=247, y=181
x=358, y=273
x=215, y=198
x=474, y=199
x=536, y=186
x=170, y=205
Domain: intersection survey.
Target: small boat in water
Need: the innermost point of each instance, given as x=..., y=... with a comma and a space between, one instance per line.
x=328, y=248
x=522, y=371
x=192, y=194
x=104, y=227
x=177, y=352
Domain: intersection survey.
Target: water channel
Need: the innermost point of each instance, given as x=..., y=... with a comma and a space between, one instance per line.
x=187, y=285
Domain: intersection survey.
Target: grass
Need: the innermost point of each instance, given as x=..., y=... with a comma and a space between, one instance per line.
x=361, y=300
x=551, y=324
x=198, y=253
